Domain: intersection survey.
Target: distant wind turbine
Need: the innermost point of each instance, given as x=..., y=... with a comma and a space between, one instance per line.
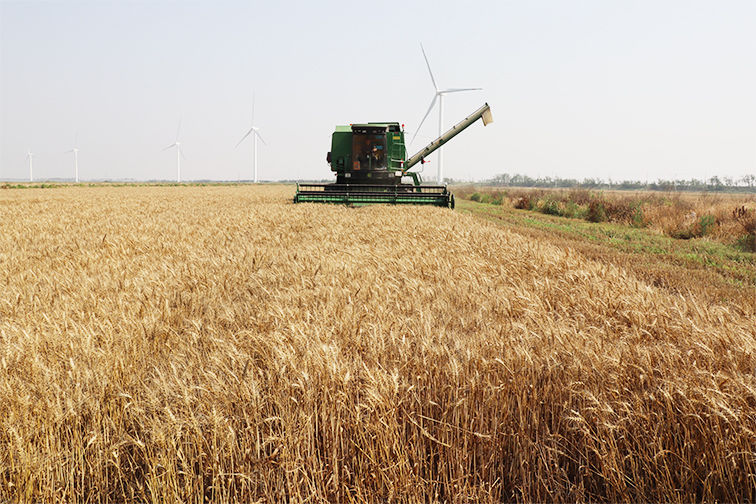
x=76, y=156
x=29, y=157
x=179, y=154
x=257, y=135
x=440, y=96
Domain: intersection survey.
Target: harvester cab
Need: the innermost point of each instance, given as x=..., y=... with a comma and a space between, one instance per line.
x=370, y=153
x=370, y=161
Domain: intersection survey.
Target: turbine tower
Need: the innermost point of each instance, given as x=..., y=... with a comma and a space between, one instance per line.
x=257, y=135
x=440, y=96
x=179, y=154
x=29, y=157
x=76, y=157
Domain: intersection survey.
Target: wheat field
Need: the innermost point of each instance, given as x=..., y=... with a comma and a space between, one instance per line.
x=222, y=344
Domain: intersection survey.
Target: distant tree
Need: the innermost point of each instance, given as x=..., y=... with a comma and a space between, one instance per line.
x=663, y=185
x=591, y=183
x=749, y=180
x=567, y=182
x=715, y=183
x=499, y=180
x=518, y=180
x=544, y=182
x=627, y=185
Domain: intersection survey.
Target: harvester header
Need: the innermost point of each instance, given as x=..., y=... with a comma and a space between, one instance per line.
x=370, y=161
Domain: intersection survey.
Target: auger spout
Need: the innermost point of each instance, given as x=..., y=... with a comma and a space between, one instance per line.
x=483, y=112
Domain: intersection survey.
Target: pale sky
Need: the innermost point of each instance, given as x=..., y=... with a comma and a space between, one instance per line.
x=627, y=90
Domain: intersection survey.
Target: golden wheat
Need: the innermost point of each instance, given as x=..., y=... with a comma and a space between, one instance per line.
x=221, y=343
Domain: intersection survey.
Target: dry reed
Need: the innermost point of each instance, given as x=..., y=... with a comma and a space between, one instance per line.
x=220, y=343
x=726, y=218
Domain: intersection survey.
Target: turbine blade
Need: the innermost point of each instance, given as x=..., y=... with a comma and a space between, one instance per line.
x=456, y=90
x=76, y=139
x=172, y=145
x=258, y=136
x=182, y=154
x=253, y=109
x=179, y=129
x=424, y=117
x=68, y=151
x=245, y=136
x=429, y=69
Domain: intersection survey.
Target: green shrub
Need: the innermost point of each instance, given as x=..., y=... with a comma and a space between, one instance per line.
x=551, y=207
x=706, y=224
x=572, y=210
x=533, y=204
x=596, y=211
x=639, y=220
x=476, y=196
x=700, y=228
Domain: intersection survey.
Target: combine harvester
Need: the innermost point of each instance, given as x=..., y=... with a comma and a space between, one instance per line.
x=370, y=161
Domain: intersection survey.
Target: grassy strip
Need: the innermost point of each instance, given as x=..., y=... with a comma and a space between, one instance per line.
x=725, y=219
x=681, y=266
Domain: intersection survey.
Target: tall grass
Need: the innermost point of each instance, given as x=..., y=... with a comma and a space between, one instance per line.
x=726, y=218
x=223, y=344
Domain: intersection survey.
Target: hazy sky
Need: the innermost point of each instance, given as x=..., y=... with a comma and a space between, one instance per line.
x=626, y=90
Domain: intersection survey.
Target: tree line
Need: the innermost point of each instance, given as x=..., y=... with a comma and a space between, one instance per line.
x=746, y=183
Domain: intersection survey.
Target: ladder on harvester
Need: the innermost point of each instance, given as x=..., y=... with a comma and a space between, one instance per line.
x=398, y=153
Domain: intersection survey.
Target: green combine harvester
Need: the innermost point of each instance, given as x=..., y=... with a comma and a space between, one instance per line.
x=370, y=161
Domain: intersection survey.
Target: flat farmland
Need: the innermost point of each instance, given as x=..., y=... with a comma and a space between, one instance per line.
x=219, y=343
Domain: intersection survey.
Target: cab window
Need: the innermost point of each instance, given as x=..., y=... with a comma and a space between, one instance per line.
x=369, y=151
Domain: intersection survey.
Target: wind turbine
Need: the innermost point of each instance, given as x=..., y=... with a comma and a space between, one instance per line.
x=29, y=157
x=440, y=96
x=257, y=135
x=179, y=154
x=76, y=156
